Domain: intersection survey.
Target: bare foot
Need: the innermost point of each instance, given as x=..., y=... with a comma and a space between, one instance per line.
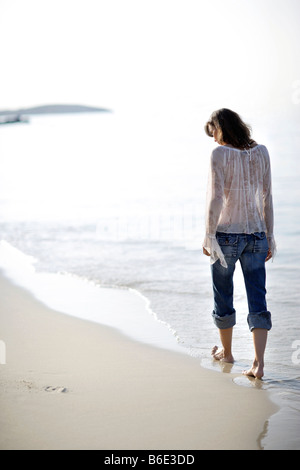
x=221, y=356
x=257, y=371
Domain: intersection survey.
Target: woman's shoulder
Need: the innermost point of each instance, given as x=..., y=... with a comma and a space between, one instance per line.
x=217, y=151
x=223, y=149
x=217, y=155
x=262, y=149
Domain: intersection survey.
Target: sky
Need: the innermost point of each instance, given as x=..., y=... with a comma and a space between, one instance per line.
x=162, y=67
x=151, y=54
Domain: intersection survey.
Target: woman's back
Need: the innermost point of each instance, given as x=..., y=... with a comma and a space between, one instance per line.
x=239, y=195
x=247, y=184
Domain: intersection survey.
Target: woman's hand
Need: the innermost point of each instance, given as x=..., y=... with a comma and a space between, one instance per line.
x=205, y=252
x=269, y=255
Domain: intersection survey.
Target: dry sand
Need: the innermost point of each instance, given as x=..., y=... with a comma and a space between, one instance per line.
x=74, y=384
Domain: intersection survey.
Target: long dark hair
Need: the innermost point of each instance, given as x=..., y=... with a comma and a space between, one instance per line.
x=232, y=129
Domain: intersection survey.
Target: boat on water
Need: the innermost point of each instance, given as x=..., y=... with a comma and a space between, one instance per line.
x=14, y=120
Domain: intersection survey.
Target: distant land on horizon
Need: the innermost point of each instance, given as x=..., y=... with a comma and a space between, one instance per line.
x=54, y=109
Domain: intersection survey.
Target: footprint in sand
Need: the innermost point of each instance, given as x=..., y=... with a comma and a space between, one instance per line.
x=51, y=389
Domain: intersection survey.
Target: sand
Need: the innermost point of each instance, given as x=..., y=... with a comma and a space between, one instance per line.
x=74, y=384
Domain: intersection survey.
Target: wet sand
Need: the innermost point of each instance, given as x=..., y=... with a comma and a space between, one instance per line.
x=74, y=384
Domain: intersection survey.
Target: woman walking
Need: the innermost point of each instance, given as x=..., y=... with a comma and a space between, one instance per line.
x=239, y=226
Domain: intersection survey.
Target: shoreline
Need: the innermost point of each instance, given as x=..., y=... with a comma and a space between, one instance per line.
x=70, y=383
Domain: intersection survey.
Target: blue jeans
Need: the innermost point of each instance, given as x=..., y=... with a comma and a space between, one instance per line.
x=251, y=250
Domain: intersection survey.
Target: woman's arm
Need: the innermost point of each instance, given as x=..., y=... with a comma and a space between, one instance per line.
x=268, y=208
x=215, y=192
x=214, y=204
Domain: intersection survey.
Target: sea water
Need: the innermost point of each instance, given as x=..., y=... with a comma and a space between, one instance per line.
x=119, y=201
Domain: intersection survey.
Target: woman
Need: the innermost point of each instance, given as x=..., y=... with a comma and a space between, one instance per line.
x=239, y=226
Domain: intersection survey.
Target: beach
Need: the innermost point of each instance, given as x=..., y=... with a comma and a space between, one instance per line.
x=74, y=384
x=113, y=259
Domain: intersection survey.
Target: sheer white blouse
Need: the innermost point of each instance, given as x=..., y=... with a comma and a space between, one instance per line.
x=239, y=196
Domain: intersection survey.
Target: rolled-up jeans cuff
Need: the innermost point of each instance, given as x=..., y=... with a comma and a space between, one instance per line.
x=224, y=322
x=260, y=320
